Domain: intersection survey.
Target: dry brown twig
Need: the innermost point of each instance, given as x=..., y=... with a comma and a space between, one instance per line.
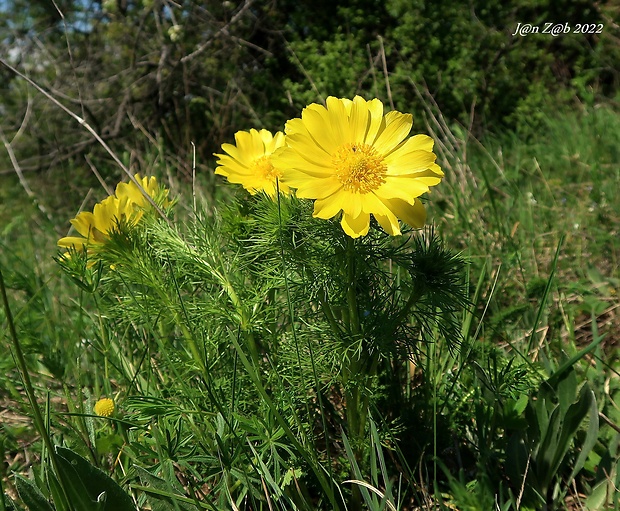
x=22, y=179
x=223, y=30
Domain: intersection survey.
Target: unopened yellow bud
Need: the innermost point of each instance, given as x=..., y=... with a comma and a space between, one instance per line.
x=104, y=407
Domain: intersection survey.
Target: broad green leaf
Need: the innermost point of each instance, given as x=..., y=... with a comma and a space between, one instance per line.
x=78, y=495
x=543, y=412
x=567, y=390
x=57, y=492
x=31, y=495
x=575, y=358
x=521, y=403
x=591, y=434
x=598, y=499
x=572, y=421
x=95, y=481
x=10, y=505
x=548, y=451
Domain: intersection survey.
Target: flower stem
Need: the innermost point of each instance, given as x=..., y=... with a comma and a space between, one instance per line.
x=356, y=404
x=354, y=320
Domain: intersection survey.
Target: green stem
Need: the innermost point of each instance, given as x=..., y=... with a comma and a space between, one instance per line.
x=354, y=320
x=329, y=314
x=415, y=296
x=353, y=326
x=37, y=416
x=356, y=416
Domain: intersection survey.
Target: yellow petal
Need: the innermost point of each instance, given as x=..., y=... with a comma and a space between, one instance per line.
x=317, y=123
x=150, y=185
x=105, y=213
x=296, y=126
x=72, y=241
x=292, y=159
x=346, y=102
x=230, y=166
x=277, y=141
x=283, y=187
x=359, y=120
x=408, y=163
x=233, y=152
x=412, y=214
x=397, y=127
x=132, y=191
x=339, y=120
x=83, y=223
x=428, y=177
x=436, y=169
x=306, y=149
x=355, y=227
x=266, y=138
x=405, y=188
x=309, y=187
x=375, y=110
x=327, y=207
x=351, y=203
x=417, y=143
x=250, y=143
x=373, y=204
x=129, y=191
x=389, y=223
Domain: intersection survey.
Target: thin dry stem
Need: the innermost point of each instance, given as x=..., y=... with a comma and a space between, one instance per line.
x=306, y=74
x=98, y=176
x=385, y=73
x=223, y=30
x=22, y=179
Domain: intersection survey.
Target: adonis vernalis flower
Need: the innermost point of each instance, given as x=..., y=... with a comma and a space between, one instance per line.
x=135, y=195
x=104, y=407
x=248, y=163
x=127, y=205
x=351, y=157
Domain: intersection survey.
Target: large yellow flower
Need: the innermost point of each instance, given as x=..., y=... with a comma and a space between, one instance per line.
x=352, y=158
x=127, y=205
x=249, y=162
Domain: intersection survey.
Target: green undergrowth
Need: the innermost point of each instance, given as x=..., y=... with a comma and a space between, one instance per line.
x=234, y=389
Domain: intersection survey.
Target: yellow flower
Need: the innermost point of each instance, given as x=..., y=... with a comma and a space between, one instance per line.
x=95, y=227
x=352, y=158
x=249, y=162
x=104, y=407
x=127, y=205
x=134, y=194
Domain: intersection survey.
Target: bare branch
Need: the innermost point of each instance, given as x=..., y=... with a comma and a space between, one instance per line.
x=89, y=128
x=22, y=179
x=223, y=30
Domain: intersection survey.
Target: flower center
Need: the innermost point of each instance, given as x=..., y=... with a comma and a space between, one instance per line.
x=264, y=168
x=359, y=168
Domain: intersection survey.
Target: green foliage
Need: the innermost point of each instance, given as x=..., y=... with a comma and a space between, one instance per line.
x=539, y=453
x=88, y=488
x=31, y=495
x=468, y=57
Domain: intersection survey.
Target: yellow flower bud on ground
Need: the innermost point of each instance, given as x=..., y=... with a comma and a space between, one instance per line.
x=104, y=407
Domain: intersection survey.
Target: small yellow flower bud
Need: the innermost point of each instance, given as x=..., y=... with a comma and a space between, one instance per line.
x=104, y=407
